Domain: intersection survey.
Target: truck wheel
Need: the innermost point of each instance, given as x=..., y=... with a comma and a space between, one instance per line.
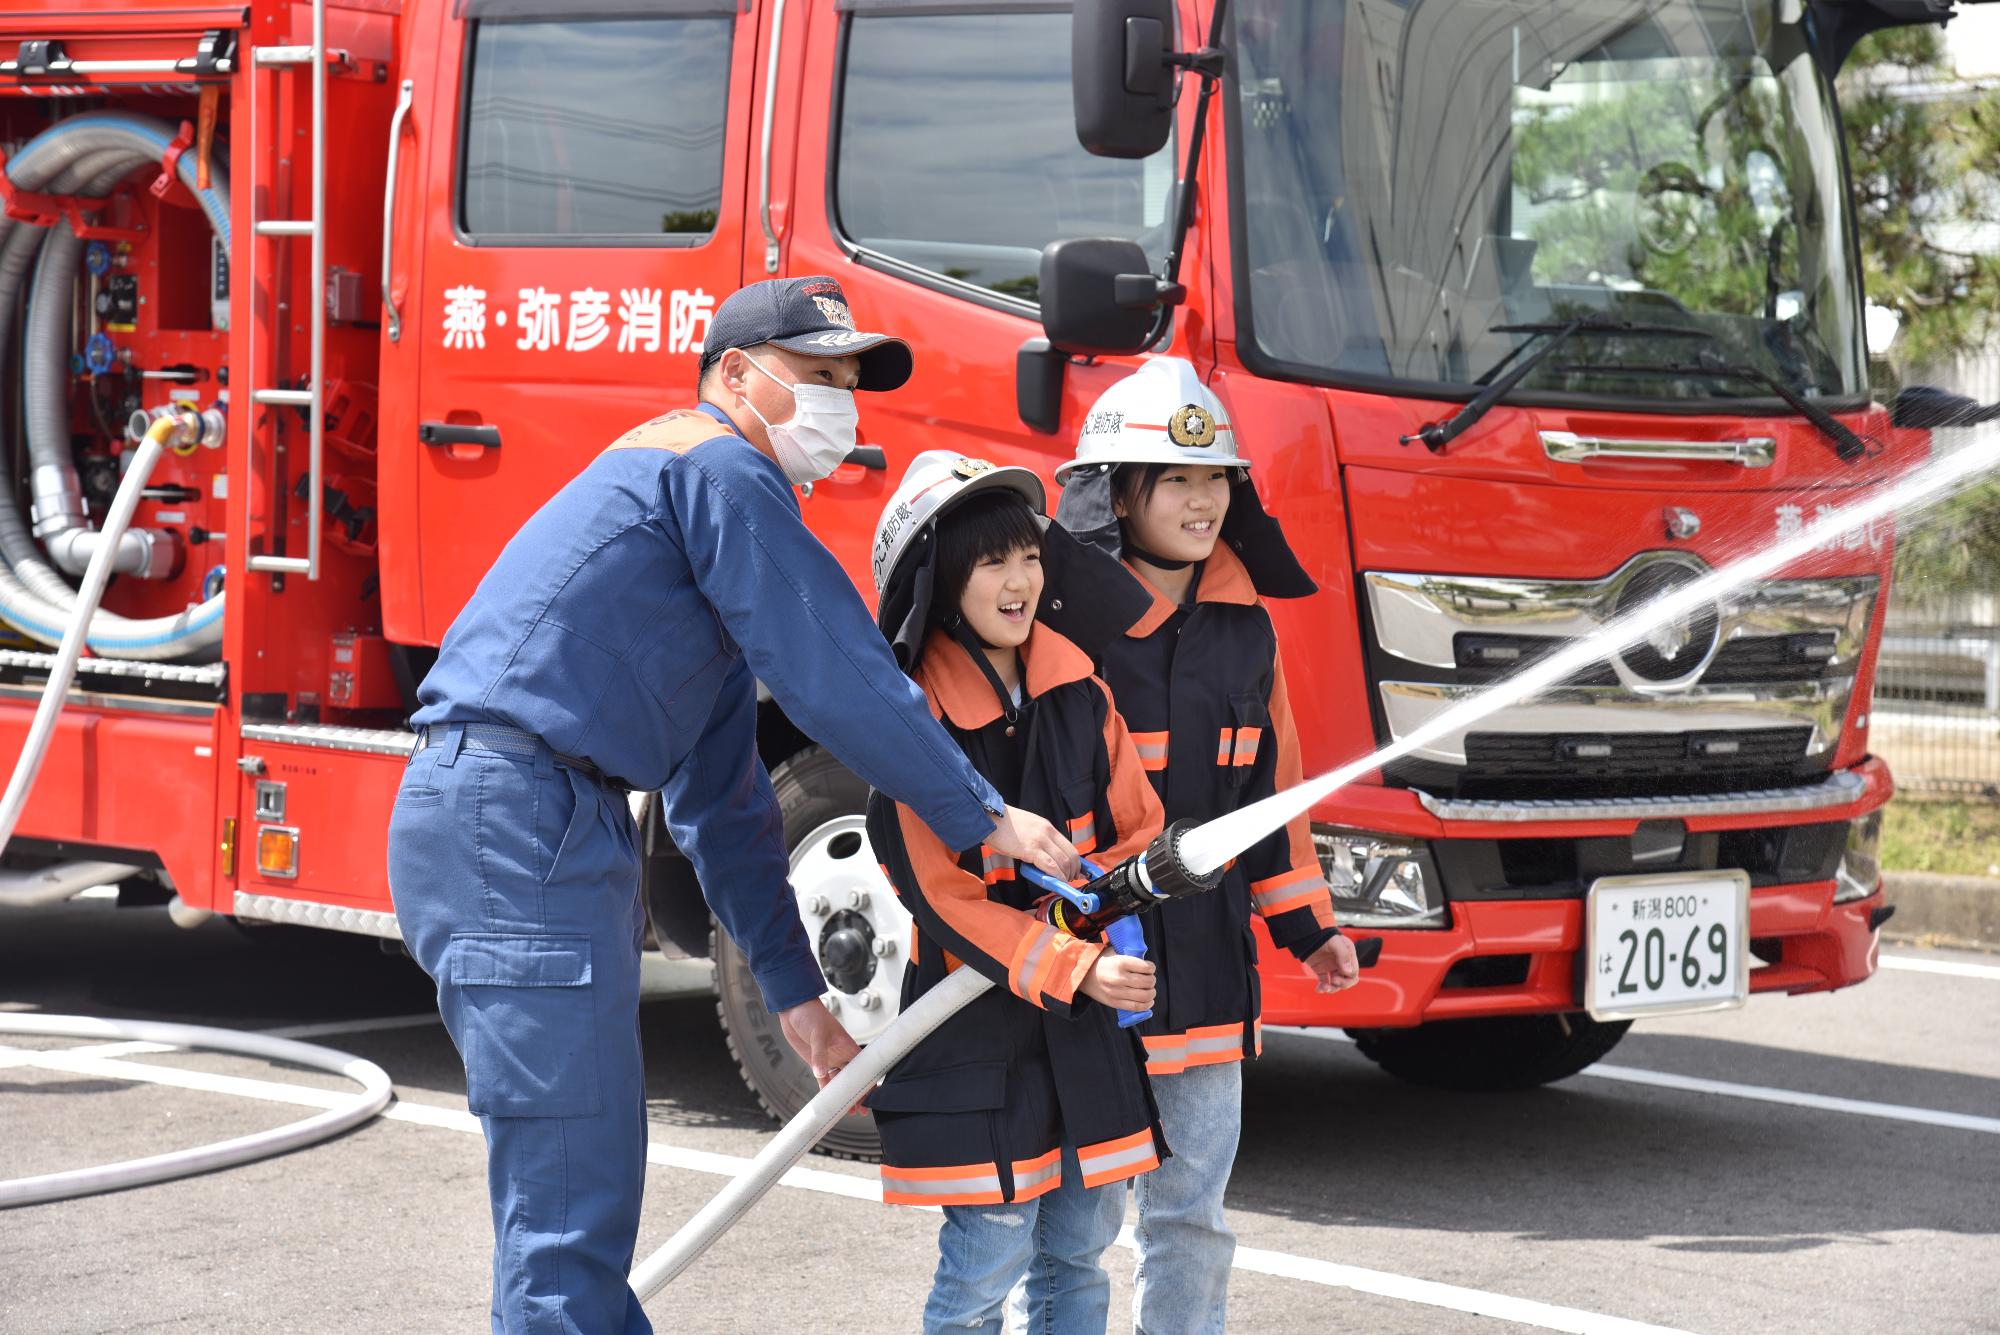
x=859, y=931
x=1501, y=1052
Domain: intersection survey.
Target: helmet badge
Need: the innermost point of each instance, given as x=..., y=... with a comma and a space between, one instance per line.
x=967, y=469
x=1192, y=427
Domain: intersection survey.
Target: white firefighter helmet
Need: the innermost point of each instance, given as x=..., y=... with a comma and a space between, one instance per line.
x=1160, y=414
x=936, y=481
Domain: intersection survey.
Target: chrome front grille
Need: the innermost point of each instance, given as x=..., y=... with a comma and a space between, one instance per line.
x=1756, y=686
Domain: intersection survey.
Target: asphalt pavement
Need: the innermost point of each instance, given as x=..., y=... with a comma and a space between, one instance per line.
x=1816, y=1164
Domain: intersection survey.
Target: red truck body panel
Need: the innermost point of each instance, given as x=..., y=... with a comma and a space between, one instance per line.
x=1328, y=462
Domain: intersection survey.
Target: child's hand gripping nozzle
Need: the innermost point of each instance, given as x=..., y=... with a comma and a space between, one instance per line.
x=1109, y=905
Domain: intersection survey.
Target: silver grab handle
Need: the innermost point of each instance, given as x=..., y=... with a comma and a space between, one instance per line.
x=1566, y=447
x=393, y=322
x=770, y=111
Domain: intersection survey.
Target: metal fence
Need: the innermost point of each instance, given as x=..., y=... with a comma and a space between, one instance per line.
x=1937, y=695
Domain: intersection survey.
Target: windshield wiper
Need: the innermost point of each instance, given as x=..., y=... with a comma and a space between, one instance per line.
x=1437, y=435
x=1850, y=447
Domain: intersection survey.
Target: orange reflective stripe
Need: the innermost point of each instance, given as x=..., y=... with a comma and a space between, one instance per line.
x=1166, y=1054
x=1204, y=1045
x=1152, y=749
x=1287, y=890
x=996, y=866
x=1246, y=745
x=1238, y=746
x=1116, y=1160
x=1032, y=963
x=961, y=1184
x=1083, y=832
x=1033, y=1177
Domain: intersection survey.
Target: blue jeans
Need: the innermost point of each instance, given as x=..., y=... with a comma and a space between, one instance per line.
x=1054, y=1240
x=516, y=882
x=1185, y=1249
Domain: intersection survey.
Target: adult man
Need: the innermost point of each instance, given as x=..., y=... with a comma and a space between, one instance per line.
x=617, y=642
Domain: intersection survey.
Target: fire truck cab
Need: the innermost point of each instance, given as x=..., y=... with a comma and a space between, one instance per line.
x=421, y=259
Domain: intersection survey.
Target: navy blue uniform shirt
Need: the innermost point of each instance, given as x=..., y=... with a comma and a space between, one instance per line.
x=628, y=624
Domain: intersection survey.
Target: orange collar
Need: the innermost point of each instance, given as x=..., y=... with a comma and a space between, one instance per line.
x=1224, y=579
x=959, y=691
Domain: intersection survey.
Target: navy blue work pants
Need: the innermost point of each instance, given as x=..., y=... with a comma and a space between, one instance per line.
x=516, y=882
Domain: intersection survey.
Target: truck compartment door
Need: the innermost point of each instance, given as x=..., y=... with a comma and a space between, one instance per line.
x=583, y=214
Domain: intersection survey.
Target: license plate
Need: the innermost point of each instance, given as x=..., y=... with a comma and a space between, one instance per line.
x=1666, y=945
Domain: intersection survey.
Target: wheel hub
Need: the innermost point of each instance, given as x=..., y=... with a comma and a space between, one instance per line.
x=859, y=928
x=847, y=951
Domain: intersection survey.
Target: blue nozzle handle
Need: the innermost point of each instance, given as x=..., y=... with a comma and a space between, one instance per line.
x=1127, y=937
x=1124, y=935
x=1085, y=901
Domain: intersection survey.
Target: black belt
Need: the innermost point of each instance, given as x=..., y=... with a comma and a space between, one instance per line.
x=514, y=742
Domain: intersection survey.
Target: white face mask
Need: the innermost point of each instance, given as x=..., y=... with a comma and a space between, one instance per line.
x=819, y=434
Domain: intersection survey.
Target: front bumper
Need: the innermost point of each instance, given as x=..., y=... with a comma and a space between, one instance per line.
x=1522, y=956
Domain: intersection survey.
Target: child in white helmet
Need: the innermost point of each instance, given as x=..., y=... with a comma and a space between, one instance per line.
x=1157, y=479
x=1023, y=1113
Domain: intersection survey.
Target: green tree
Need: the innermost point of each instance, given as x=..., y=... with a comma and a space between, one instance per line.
x=1924, y=157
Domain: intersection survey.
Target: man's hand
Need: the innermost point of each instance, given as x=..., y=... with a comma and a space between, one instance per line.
x=1120, y=982
x=820, y=1041
x=1026, y=837
x=1334, y=965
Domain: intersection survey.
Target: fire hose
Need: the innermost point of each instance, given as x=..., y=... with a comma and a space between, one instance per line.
x=1106, y=906
x=1135, y=885
x=375, y=1091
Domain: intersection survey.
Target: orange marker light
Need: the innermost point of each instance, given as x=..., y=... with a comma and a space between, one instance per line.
x=278, y=850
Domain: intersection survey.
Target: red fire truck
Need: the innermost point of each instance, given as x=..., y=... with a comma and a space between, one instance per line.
x=1526, y=312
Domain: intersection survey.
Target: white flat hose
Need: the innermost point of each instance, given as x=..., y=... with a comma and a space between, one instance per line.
x=371, y=1099
x=376, y=1089
x=29, y=764
x=800, y=1134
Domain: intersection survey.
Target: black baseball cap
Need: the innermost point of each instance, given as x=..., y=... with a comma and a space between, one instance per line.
x=807, y=316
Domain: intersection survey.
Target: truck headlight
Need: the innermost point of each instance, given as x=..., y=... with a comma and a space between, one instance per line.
x=1379, y=880
x=1860, y=870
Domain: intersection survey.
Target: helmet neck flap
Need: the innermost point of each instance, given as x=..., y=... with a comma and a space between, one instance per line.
x=1086, y=510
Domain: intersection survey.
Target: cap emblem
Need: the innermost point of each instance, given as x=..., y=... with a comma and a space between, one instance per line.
x=835, y=311
x=837, y=339
x=1192, y=427
x=967, y=469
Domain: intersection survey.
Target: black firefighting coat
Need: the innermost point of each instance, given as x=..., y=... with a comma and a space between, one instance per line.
x=979, y=1111
x=1203, y=692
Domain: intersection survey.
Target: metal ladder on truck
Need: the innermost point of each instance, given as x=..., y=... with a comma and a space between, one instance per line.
x=283, y=59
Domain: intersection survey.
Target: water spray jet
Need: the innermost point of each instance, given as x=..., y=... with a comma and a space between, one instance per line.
x=1211, y=845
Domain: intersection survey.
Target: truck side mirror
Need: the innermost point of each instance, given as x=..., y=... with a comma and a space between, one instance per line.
x=1098, y=297
x=1121, y=82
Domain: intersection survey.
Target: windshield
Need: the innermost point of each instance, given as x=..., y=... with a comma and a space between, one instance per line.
x=1429, y=187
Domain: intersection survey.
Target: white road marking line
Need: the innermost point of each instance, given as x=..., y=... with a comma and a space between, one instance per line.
x=1430, y=1293
x=1956, y=968
x=1281, y=1265
x=1894, y=1112
x=1632, y=1075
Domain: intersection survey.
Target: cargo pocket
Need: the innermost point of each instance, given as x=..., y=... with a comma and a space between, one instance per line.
x=527, y=1024
x=1239, y=743
x=968, y=1087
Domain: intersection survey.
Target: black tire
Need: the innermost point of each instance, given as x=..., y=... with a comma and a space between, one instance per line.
x=1498, y=1053
x=813, y=788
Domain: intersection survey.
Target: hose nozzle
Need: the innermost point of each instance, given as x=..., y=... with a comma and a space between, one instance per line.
x=1143, y=882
